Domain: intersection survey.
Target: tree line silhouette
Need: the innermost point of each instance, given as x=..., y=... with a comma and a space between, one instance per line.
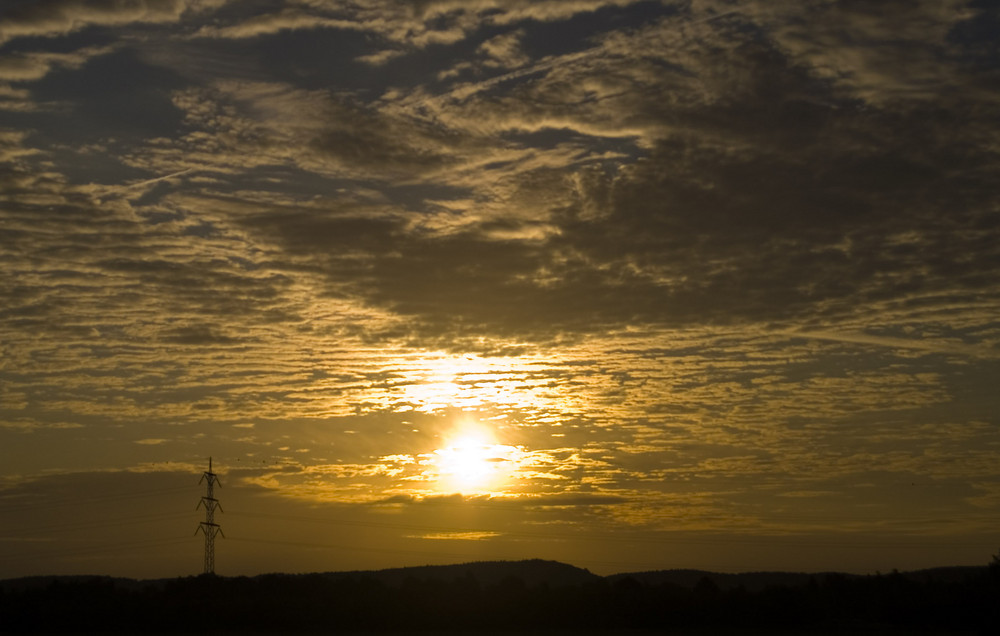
x=357, y=602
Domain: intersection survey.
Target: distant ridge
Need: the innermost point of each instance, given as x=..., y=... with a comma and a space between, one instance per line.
x=531, y=572
x=534, y=572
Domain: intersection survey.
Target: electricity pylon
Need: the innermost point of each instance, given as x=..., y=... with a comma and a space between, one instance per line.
x=208, y=527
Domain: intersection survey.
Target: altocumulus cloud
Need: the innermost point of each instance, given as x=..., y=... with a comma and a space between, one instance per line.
x=711, y=266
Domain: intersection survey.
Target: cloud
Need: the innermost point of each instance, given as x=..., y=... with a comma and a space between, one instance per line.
x=458, y=536
x=412, y=25
x=381, y=57
x=899, y=52
x=921, y=344
x=271, y=23
x=726, y=218
x=710, y=224
x=508, y=11
x=36, y=65
x=51, y=18
x=15, y=99
x=696, y=269
x=504, y=50
x=29, y=425
x=392, y=20
x=250, y=124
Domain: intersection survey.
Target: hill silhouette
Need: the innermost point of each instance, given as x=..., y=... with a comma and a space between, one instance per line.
x=507, y=595
x=531, y=572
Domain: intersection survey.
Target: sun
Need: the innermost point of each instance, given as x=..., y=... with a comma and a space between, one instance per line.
x=472, y=461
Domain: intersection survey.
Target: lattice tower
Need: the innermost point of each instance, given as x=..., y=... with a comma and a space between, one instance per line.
x=208, y=527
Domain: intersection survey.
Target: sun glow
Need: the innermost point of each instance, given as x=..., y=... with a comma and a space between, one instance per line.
x=472, y=461
x=432, y=382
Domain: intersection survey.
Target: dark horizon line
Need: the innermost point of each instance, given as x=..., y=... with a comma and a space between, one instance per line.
x=403, y=570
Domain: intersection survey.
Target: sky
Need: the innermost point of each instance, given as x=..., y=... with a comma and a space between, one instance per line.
x=628, y=284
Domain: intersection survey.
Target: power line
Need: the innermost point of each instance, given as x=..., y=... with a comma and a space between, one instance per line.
x=36, y=502
x=106, y=522
x=63, y=550
x=784, y=541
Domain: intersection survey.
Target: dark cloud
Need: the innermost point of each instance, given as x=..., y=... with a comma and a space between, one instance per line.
x=198, y=335
x=769, y=202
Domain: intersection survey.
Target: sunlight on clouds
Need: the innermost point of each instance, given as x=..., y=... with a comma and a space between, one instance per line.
x=714, y=265
x=457, y=536
x=436, y=381
x=472, y=462
x=469, y=457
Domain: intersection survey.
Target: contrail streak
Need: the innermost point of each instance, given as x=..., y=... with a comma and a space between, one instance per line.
x=147, y=182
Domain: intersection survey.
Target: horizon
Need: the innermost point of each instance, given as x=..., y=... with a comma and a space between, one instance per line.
x=505, y=562
x=367, y=538
x=672, y=284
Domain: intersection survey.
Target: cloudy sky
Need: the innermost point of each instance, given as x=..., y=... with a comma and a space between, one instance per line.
x=629, y=284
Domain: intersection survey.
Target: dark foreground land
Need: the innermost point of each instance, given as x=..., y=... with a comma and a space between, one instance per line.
x=543, y=597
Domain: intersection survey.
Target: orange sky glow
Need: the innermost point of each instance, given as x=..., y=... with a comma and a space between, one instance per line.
x=628, y=284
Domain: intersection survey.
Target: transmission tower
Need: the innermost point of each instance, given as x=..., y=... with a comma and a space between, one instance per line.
x=208, y=527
